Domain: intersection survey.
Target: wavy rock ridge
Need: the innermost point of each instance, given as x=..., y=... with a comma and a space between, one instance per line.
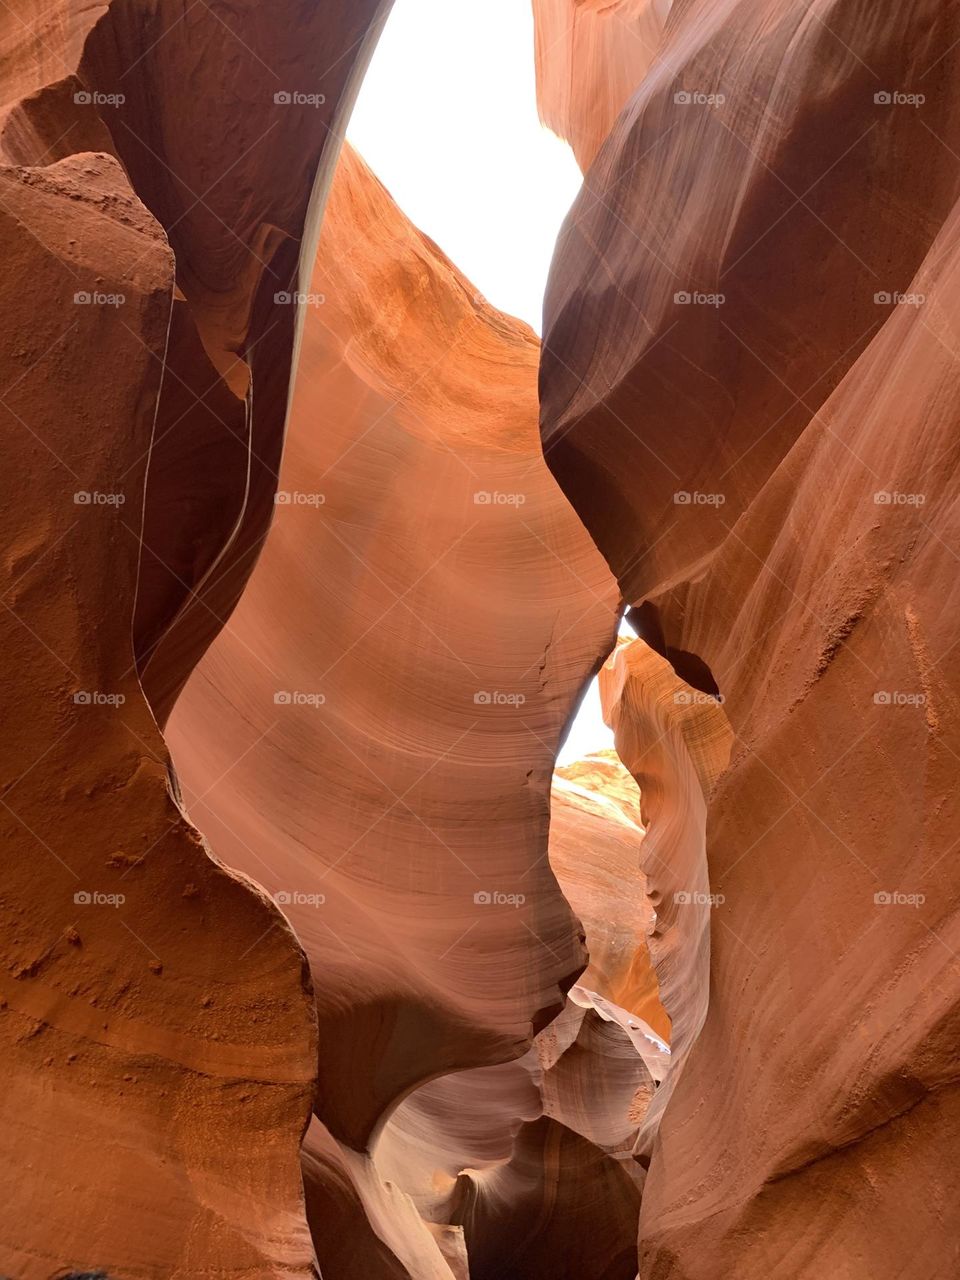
x=747, y=386
x=159, y=1069
x=367, y=788
x=413, y=1005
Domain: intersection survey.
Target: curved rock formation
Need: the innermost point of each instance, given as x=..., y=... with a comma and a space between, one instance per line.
x=363, y=1226
x=848, y=925
x=676, y=742
x=596, y=1079
x=399, y=673
x=157, y=1071
x=164, y=88
x=595, y=837
x=527, y=1217
x=768, y=468
x=157, y=1018
x=413, y=1069
x=594, y=1069
x=590, y=57
x=719, y=272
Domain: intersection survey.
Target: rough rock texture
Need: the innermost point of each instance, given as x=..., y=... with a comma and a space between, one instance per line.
x=807, y=569
x=227, y=117
x=590, y=56
x=158, y=1026
x=398, y=674
x=156, y=1071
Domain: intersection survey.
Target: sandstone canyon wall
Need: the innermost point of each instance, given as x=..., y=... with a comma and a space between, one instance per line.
x=372, y=739
x=749, y=387
x=156, y=198
x=590, y=57
x=313, y=963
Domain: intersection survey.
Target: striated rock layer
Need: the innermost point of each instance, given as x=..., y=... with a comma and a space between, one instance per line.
x=395, y=682
x=703, y=310
x=770, y=469
x=595, y=838
x=157, y=1072
x=227, y=119
x=492, y=1150
x=590, y=56
x=158, y=1026
x=676, y=741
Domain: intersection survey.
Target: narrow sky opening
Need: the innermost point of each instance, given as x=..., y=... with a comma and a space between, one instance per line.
x=589, y=733
x=447, y=119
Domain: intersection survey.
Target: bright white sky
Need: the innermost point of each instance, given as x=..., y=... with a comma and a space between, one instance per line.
x=478, y=172
x=588, y=732
x=447, y=119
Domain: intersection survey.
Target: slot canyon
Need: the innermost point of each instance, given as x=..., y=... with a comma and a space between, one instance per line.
x=341, y=938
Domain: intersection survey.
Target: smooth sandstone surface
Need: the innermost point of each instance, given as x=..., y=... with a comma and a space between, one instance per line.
x=156, y=1071
x=676, y=741
x=362, y=788
x=590, y=57
x=770, y=473
x=228, y=118
x=595, y=839
x=373, y=737
x=414, y=1006
x=157, y=1017
x=854, y=646
x=718, y=274
x=593, y=1071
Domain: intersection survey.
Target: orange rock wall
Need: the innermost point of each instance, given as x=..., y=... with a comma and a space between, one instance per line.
x=748, y=394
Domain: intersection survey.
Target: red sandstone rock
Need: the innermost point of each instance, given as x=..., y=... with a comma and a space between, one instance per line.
x=851, y=639
x=229, y=134
x=157, y=1071
x=590, y=57
x=764, y=452
x=560, y=1207
x=319, y=754
x=676, y=741
x=594, y=1069
x=595, y=837
x=810, y=1127
x=736, y=172
x=158, y=1029
x=405, y=903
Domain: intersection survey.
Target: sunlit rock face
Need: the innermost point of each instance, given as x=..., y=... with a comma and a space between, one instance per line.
x=157, y=1022
x=676, y=742
x=591, y=55
x=749, y=384
x=373, y=735
x=495, y=1152
x=595, y=836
